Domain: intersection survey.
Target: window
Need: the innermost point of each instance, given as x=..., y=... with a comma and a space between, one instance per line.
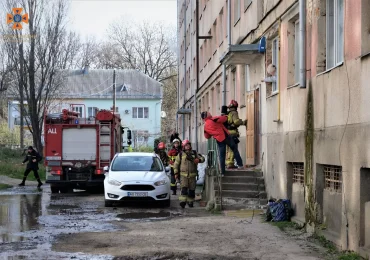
x=92, y=111
x=334, y=33
x=221, y=27
x=296, y=51
x=137, y=163
x=333, y=178
x=140, y=112
x=247, y=3
x=236, y=11
x=275, y=59
x=298, y=173
x=78, y=109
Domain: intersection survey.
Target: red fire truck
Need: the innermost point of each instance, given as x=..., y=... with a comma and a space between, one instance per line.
x=77, y=148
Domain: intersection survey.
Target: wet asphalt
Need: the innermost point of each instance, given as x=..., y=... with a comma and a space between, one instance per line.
x=31, y=220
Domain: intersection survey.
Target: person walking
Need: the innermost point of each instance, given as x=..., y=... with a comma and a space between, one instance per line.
x=214, y=127
x=33, y=158
x=186, y=164
x=161, y=151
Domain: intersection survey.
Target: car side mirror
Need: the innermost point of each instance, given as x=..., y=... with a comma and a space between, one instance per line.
x=106, y=168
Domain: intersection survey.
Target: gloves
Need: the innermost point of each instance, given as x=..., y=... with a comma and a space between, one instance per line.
x=196, y=160
x=171, y=162
x=245, y=122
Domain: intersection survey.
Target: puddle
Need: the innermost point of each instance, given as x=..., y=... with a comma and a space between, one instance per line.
x=148, y=216
x=18, y=213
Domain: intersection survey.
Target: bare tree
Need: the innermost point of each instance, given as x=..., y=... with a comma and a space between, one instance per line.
x=169, y=105
x=146, y=47
x=37, y=52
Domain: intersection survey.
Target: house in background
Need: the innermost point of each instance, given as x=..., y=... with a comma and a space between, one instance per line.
x=138, y=100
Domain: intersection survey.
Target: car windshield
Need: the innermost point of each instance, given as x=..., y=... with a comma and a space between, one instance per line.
x=137, y=163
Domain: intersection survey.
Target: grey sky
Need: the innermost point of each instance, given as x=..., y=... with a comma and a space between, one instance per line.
x=92, y=17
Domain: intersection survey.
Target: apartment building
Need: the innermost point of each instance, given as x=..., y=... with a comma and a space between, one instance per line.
x=308, y=130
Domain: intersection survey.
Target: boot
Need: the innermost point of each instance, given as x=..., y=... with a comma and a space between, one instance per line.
x=40, y=183
x=182, y=204
x=23, y=182
x=191, y=205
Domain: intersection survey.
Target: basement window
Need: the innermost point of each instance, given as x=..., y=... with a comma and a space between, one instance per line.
x=333, y=178
x=298, y=173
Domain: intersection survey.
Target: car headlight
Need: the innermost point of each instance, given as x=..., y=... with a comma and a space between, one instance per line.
x=114, y=182
x=159, y=183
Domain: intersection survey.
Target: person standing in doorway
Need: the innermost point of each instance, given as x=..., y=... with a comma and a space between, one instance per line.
x=214, y=127
x=33, y=158
x=233, y=122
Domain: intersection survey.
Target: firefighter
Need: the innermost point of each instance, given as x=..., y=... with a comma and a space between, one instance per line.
x=161, y=151
x=233, y=122
x=33, y=158
x=186, y=166
x=176, y=149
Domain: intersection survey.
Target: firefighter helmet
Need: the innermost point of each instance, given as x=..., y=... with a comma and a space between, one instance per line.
x=185, y=142
x=161, y=145
x=233, y=103
x=176, y=140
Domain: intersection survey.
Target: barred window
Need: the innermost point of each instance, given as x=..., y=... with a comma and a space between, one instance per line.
x=298, y=173
x=333, y=178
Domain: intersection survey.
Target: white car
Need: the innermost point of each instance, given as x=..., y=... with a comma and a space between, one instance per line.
x=137, y=177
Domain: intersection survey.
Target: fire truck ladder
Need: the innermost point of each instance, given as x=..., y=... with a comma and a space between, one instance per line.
x=104, y=143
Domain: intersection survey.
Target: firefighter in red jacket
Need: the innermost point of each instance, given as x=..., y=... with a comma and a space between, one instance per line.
x=176, y=149
x=162, y=154
x=186, y=165
x=214, y=127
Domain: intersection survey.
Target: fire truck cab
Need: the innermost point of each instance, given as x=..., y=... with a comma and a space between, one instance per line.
x=77, y=148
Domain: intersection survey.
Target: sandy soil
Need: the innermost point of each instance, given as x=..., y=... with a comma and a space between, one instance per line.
x=201, y=237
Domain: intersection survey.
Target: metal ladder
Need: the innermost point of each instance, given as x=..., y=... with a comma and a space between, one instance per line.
x=104, y=143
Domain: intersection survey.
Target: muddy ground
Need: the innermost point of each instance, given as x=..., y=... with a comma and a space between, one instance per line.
x=40, y=225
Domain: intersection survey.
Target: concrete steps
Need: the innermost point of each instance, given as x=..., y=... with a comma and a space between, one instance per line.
x=242, y=190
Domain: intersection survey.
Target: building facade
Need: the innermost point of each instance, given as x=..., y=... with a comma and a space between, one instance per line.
x=138, y=100
x=308, y=128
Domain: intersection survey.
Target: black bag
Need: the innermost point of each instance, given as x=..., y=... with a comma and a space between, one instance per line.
x=236, y=139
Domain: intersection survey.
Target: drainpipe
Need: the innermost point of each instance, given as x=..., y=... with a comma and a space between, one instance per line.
x=178, y=70
x=197, y=71
x=278, y=120
x=302, y=39
x=183, y=116
x=229, y=43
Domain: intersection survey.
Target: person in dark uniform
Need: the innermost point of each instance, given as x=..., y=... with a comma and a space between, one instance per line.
x=33, y=158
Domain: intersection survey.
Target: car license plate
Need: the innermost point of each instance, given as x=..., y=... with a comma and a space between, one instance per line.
x=137, y=194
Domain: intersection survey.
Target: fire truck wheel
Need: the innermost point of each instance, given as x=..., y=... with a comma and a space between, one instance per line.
x=108, y=203
x=54, y=189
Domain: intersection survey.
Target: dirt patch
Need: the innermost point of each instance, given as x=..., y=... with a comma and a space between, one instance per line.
x=207, y=237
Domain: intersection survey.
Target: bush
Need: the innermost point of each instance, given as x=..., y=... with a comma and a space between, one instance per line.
x=11, y=164
x=145, y=149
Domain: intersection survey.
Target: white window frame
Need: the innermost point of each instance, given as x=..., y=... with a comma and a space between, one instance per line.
x=137, y=112
x=275, y=61
x=334, y=33
x=92, y=110
x=78, y=109
x=297, y=44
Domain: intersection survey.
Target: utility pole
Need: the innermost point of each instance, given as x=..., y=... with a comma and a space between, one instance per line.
x=21, y=97
x=114, y=91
